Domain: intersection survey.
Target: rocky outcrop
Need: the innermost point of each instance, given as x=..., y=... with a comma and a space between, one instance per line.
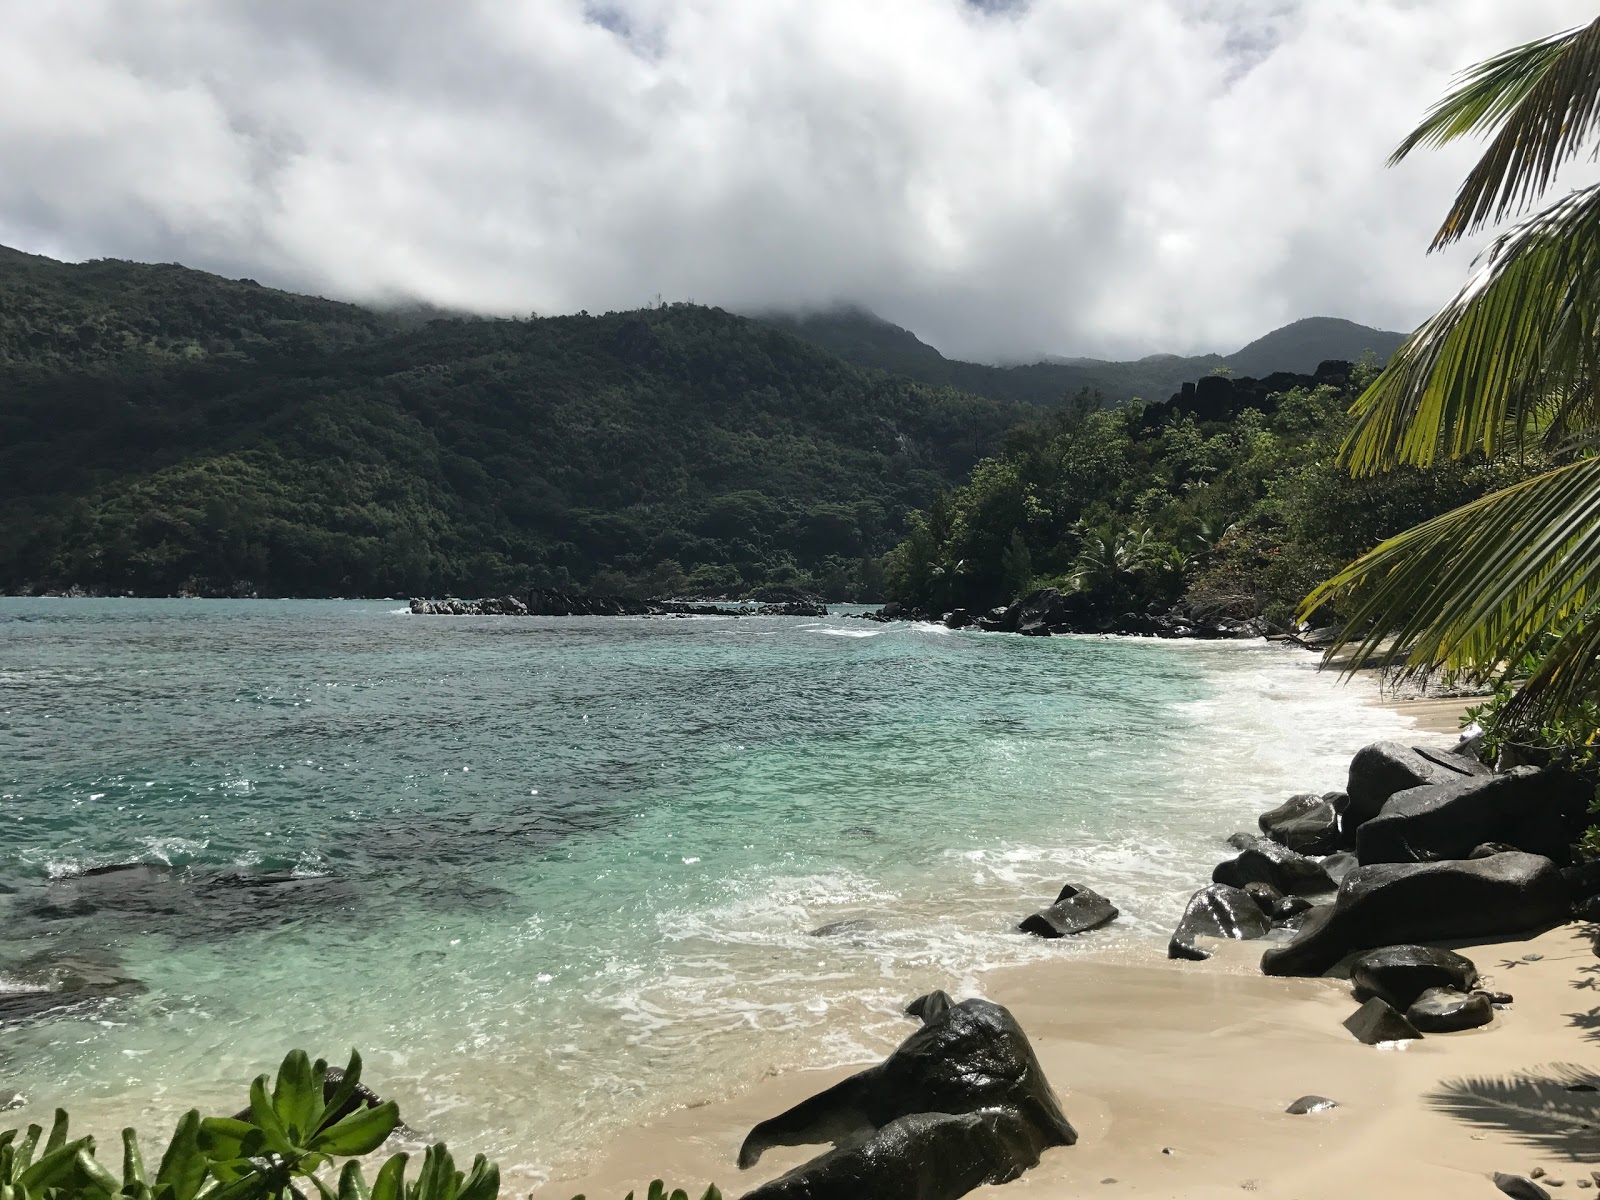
x=1307, y=823
x=1376, y=1021
x=1264, y=861
x=1076, y=910
x=1380, y=770
x=930, y=1007
x=1446, y=1010
x=1218, y=397
x=1399, y=974
x=1540, y=811
x=961, y=1103
x=51, y=985
x=1392, y=902
x=1218, y=911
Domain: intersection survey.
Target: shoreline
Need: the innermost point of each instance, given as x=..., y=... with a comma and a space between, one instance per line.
x=1176, y=1075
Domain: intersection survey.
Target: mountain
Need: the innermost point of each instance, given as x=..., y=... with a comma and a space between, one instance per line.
x=164, y=430
x=868, y=340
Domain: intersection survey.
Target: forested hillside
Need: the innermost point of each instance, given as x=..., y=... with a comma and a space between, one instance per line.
x=210, y=436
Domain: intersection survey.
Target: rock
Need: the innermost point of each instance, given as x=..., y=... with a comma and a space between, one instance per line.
x=1418, y=902
x=1375, y=1021
x=959, y=619
x=1307, y=823
x=1445, y=1010
x=49, y=985
x=1500, y=999
x=1311, y=1104
x=1076, y=910
x=1218, y=911
x=929, y=1007
x=1519, y=1186
x=845, y=926
x=1529, y=809
x=1265, y=895
x=1290, y=907
x=11, y=1099
x=1380, y=770
x=1339, y=865
x=962, y=1102
x=1399, y=974
x=1490, y=849
x=1267, y=862
x=1583, y=878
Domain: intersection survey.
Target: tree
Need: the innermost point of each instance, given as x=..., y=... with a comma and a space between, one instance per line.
x=1507, y=368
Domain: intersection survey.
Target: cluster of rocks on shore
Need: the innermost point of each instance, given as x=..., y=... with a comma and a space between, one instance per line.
x=566, y=604
x=1047, y=611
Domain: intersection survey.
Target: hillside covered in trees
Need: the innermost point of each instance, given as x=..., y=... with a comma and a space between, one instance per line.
x=163, y=431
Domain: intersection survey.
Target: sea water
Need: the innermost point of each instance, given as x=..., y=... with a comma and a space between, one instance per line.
x=560, y=875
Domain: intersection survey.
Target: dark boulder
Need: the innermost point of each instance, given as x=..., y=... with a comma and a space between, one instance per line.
x=1263, y=861
x=1538, y=811
x=1290, y=907
x=962, y=1102
x=1339, y=865
x=1375, y=1021
x=1489, y=849
x=1308, y=823
x=924, y=1156
x=1076, y=910
x=1419, y=902
x=959, y=619
x=1217, y=911
x=930, y=1007
x=1583, y=878
x=1380, y=770
x=1399, y=974
x=1265, y=895
x=1446, y=1010
x=1520, y=1187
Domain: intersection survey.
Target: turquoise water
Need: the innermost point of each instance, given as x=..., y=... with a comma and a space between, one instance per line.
x=561, y=875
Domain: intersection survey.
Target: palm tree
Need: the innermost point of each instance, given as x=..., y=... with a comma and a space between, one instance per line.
x=1510, y=366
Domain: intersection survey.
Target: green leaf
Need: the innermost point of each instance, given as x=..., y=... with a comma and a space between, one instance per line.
x=297, y=1097
x=658, y=1190
x=183, y=1166
x=352, y=1184
x=390, y=1181
x=96, y=1178
x=362, y=1132
x=345, y=1089
x=482, y=1182
x=26, y=1148
x=438, y=1179
x=132, y=1160
x=712, y=1193
x=265, y=1117
x=225, y=1138
x=58, y=1132
x=54, y=1167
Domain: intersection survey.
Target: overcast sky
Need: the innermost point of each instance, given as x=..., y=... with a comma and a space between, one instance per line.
x=1005, y=178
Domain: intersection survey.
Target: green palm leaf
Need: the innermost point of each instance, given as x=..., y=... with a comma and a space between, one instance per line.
x=1513, y=353
x=1542, y=101
x=1488, y=583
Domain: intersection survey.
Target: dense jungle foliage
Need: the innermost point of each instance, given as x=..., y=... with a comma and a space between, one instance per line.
x=165, y=431
x=1139, y=511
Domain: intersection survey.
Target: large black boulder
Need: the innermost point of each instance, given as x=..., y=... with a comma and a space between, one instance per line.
x=1446, y=1010
x=1380, y=770
x=1076, y=910
x=1218, y=911
x=1264, y=861
x=961, y=1102
x=1537, y=810
x=1307, y=823
x=1376, y=1021
x=924, y=1156
x=1389, y=903
x=1399, y=974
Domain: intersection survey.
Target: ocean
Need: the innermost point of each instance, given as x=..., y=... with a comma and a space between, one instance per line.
x=555, y=876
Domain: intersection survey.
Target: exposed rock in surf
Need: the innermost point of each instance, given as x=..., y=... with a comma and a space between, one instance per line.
x=1264, y=861
x=962, y=1102
x=1399, y=974
x=1446, y=1010
x=1339, y=865
x=1265, y=895
x=1076, y=910
x=930, y=1007
x=1419, y=902
x=1307, y=823
x=1537, y=811
x=846, y=926
x=1217, y=911
x=1376, y=1021
x=49, y=985
x=1380, y=770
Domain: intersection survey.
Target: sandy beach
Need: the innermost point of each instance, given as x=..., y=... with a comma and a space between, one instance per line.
x=1176, y=1076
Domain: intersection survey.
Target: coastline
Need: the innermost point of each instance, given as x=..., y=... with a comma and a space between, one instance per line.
x=1176, y=1076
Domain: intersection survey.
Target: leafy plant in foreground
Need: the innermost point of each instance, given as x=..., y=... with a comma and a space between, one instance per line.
x=658, y=1191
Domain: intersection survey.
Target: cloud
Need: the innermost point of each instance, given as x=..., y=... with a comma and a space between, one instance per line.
x=1006, y=178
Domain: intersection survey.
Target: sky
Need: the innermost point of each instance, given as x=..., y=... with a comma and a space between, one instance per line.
x=1007, y=178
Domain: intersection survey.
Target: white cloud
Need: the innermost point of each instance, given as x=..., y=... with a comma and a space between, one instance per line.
x=1070, y=176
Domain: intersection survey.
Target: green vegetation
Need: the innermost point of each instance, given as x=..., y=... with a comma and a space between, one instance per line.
x=250, y=441
x=1506, y=371
x=282, y=1148
x=1135, y=510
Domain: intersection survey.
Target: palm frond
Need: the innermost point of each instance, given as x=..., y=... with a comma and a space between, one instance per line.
x=1542, y=101
x=1514, y=351
x=1482, y=585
